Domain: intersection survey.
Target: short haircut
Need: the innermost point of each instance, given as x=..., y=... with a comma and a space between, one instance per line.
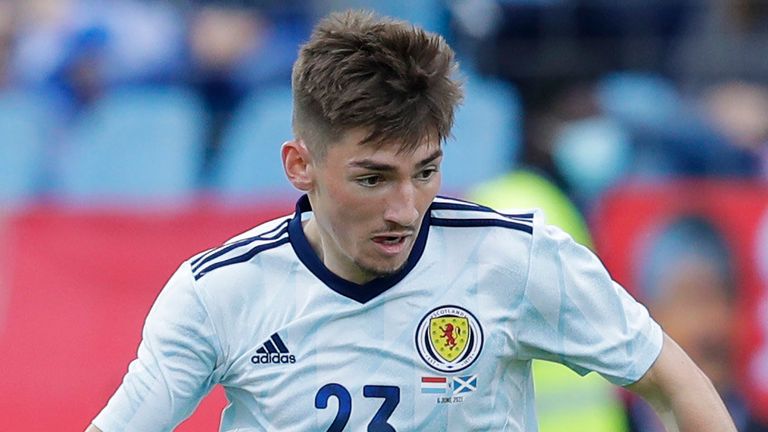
x=388, y=77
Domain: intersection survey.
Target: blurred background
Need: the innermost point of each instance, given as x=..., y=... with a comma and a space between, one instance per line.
x=136, y=133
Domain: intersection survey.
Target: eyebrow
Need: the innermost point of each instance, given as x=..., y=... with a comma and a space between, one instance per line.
x=377, y=166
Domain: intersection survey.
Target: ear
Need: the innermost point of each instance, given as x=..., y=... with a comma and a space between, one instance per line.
x=297, y=162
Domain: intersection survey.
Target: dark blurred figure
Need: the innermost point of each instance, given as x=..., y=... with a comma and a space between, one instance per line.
x=576, y=145
x=682, y=135
x=555, y=52
x=688, y=281
x=724, y=41
x=573, y=144
x=738, y=110
x=543, y=45
x=236, y=47
x=221, y=40
x=81, y=77
x=559, y=53
x=720, y=61
x=81, y=49
x=7, y=39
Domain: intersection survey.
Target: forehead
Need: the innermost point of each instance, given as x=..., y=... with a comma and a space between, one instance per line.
x=350, y=150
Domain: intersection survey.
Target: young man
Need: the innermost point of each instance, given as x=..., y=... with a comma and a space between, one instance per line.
x=378, y=306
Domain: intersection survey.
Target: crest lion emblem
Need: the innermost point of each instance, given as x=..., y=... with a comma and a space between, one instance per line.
x=449, y=338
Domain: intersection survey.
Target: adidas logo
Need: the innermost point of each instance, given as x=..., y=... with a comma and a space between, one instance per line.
x=273, y=351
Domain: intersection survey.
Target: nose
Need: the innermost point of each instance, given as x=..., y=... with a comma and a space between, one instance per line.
x=401, y=206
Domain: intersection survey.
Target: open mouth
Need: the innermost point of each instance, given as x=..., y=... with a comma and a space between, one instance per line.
x=389, y=240
x=391, y=244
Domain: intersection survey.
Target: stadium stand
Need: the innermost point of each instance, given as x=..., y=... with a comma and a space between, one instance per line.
x=486, y=135
x=248, y=165
x=25, y=130
x=135, y=146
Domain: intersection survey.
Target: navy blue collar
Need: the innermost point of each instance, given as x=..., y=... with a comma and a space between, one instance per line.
x=360, y=293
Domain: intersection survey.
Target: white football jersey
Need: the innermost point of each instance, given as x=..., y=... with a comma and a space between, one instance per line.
x=445, y=344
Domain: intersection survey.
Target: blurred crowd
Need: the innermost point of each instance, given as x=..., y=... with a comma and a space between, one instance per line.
x=73, y=52
x=646, y=89
x=608, y=92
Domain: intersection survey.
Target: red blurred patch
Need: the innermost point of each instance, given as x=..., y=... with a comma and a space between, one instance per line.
x=632, y=213
x=75, y=286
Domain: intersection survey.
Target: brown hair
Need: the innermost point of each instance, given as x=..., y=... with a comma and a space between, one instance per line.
x=389, y=77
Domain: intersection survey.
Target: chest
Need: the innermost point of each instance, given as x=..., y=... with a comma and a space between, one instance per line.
x=417, y=356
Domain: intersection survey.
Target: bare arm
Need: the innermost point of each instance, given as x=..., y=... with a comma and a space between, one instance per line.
x=681, y=394
x=92, y=428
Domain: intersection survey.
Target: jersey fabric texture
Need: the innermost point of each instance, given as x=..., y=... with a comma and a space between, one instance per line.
x=445, y=344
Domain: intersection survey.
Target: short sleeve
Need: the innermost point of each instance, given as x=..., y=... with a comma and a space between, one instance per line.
x=175, y=366
x=574, y=313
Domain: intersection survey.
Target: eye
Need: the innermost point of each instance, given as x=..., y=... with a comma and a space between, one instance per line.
x=369, y=180
x=426, y=174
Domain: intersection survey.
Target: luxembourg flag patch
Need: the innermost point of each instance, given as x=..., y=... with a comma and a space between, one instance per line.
x=434, y=385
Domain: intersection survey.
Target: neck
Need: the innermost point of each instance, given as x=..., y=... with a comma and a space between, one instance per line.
x=335, y=262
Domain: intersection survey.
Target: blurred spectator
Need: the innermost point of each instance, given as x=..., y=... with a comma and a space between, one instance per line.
x=739, y=110
x=7, y=39
x=81, y=76
x=42, y=30
x=220, y=41
x=541, y=44
x=724, y=41
x=554, y=51
x=235, y=49
x=720, y=61
x=573, y=145
x=81, y=48
x=672, y=135
x=525, y=189
x=593, y=154
x=688, y=281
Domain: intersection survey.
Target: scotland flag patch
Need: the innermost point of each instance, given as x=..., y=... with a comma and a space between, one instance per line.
x=464, y=384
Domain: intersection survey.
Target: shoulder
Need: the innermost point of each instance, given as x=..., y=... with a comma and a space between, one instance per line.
x=241, y=248
x=510, y=232
x=481, y=234
x=452, y=212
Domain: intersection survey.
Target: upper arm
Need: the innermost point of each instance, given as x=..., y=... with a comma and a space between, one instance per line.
x=671, y=369
x=672, y=373
x=681, y=394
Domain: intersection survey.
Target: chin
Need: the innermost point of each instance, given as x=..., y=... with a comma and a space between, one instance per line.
x=378, y=271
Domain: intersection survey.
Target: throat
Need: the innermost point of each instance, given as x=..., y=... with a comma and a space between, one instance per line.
x=338, y=264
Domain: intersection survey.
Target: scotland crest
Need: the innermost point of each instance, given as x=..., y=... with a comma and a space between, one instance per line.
x=449, y=338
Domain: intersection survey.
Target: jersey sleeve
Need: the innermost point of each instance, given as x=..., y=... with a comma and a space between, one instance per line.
x=175, y=367
x=573, y=313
